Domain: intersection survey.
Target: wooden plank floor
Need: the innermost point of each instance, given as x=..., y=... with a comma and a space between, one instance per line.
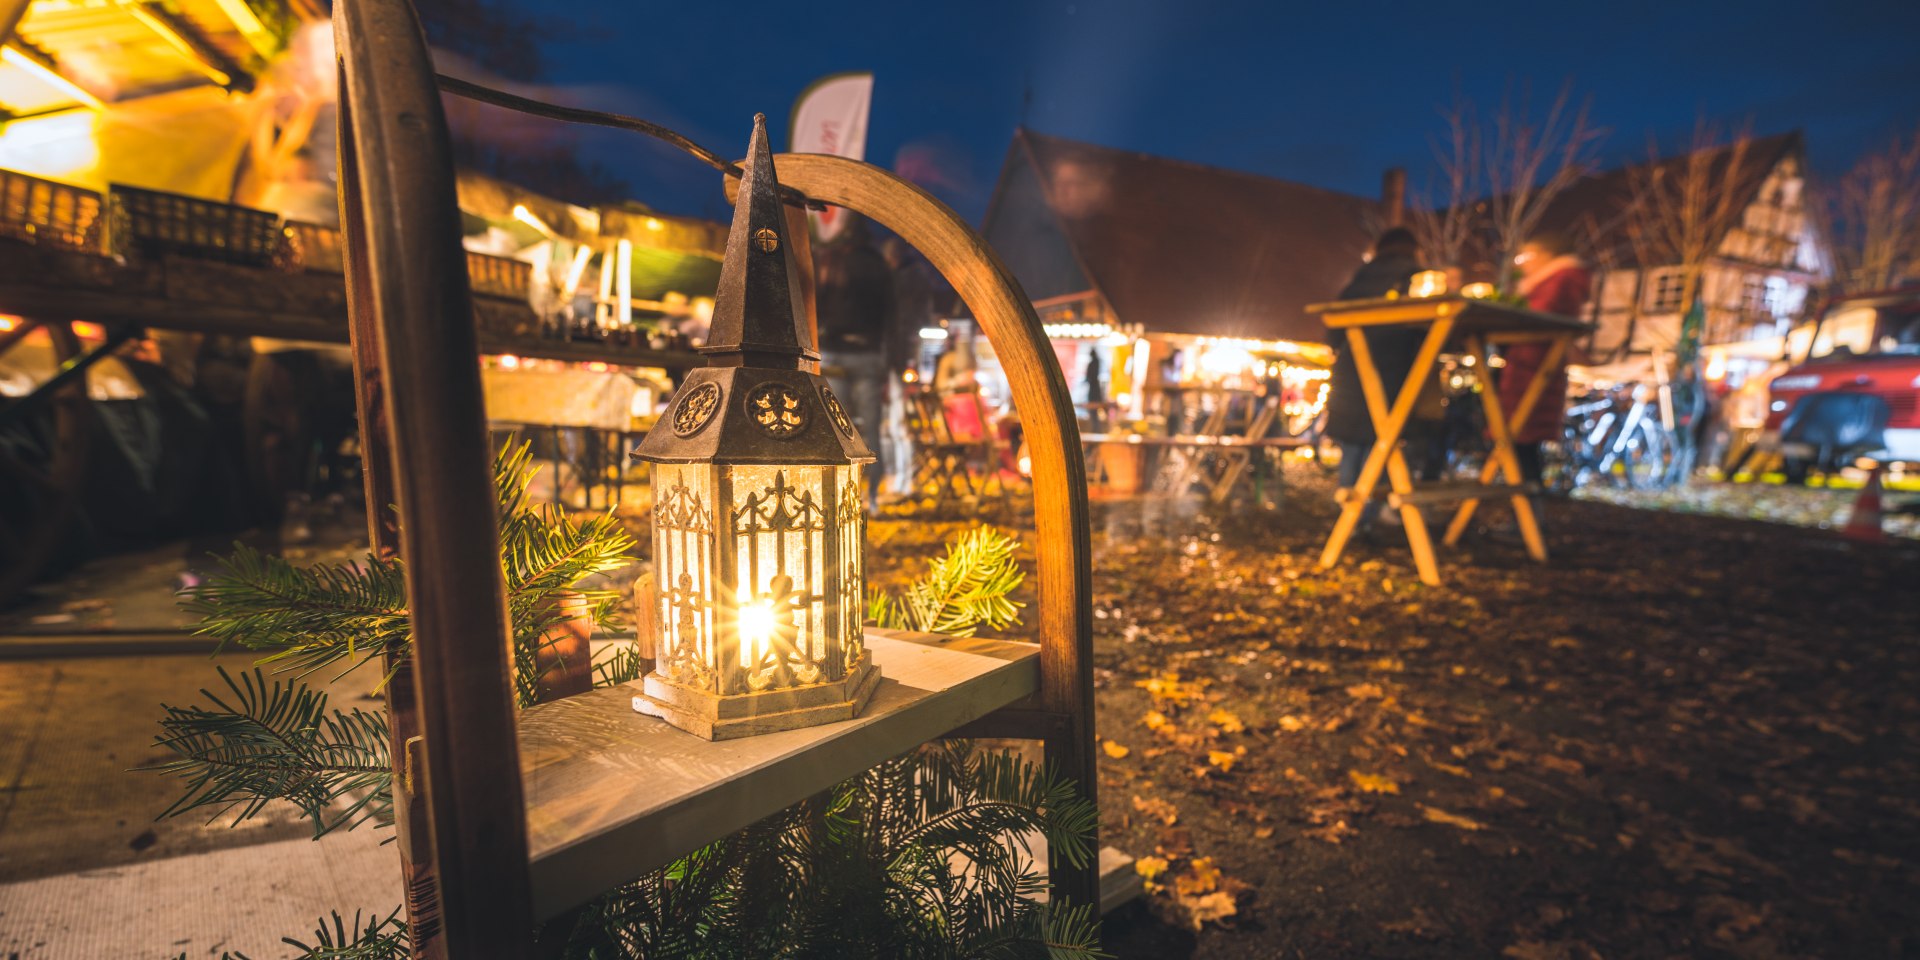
x=612, y=793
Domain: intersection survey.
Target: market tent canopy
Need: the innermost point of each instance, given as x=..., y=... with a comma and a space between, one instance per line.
x=62, y=54
x=1173, y=246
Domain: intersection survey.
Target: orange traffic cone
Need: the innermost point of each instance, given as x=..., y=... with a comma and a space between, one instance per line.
x=1864, y=525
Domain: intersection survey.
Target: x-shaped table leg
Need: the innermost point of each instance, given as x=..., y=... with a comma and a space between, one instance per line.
x=1503, y=460
x=1385, y=455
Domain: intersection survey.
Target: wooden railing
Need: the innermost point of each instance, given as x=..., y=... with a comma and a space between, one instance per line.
x=152, y=223
x=491, y=276
x=146, y=223
x=313, y=248
x=317, y=249
x=48, y=213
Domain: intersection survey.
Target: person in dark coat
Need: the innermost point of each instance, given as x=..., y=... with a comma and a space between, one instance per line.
x=1395, y=259
x=853, y=299
x=1554, y=281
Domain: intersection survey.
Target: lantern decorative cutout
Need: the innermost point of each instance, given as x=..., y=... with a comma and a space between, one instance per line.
x=758, y=526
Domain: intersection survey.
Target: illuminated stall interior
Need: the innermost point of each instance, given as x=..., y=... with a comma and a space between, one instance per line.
x=1190, y=293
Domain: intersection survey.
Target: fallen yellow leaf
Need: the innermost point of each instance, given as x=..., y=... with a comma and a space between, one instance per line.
x=1291, y=723
x=1201, y=876
x=1225, y=759
x=1226, y=721
x=1114, y=750
x=1438, y=815
x=1150, y=867
x=1373, y=782
x=1158, y=809
x=1449, y=768
x=1214, y=906
x=1365, y=691
x=1155, y=720
x=1169, y=689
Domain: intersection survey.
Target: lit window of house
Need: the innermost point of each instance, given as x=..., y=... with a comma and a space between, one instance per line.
x=1666, y=290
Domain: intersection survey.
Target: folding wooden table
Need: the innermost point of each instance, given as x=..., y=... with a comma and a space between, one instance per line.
x=1469, y=326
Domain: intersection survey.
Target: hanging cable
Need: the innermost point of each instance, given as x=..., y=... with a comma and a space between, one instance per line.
x=501, y=98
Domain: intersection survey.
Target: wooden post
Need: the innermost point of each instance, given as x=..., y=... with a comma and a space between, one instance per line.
x=410, y=815
x=410, y=277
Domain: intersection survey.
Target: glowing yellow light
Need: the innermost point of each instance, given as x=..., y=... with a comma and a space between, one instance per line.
x=509, y=361
x=8, y=324
x=756, y=625
x=89, y=331
x=653, y=224
x=249, y=25
x=598, y=367
x=522, y=214
x=58, y=146
x=1077, y=331
x=576, y=270
x=1477, y=291
x=179, y=44
x=1428, y=283
x=35, y=67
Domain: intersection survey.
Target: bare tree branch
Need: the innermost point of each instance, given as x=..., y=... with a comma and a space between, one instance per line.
x=1683, y=208
x=1529, y=162
x=1872, y=218
x=1444, y=221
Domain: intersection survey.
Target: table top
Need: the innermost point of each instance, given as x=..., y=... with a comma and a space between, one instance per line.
x=1469, y=315
x=612, y=793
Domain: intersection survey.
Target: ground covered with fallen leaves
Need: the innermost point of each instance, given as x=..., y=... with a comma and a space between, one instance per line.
x=1687, y=736
x=1810, y=506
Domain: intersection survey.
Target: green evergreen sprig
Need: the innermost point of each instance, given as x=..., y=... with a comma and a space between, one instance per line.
x=368, y=937
x=927, y=855
x=972, y=584
x=260, y=742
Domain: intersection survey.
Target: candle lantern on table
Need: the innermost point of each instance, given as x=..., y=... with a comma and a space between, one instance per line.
x=758, y=522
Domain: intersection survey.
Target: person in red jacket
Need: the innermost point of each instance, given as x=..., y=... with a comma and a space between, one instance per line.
x=1552, y=280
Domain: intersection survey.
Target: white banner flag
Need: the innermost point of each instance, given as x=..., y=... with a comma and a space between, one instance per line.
x=830, y=116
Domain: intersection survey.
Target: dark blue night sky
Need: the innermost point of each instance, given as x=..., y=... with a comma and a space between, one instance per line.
x=1328, y=94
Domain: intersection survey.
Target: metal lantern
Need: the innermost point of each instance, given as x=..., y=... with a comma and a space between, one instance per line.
x=758, y=527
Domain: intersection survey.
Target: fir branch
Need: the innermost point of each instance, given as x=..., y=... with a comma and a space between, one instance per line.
x=620, y=663
x=970, y=585
x=372, y=938
x=312, y=616
x=279, y=742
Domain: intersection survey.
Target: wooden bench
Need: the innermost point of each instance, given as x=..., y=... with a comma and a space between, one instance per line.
x=1455, y=492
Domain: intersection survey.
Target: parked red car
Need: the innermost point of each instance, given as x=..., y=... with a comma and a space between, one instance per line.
x=1856, y=393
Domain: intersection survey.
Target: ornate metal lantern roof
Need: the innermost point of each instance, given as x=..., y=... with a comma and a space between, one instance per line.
x=760, y=401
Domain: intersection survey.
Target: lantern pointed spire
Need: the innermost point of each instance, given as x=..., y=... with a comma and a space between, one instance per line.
x=759, y=318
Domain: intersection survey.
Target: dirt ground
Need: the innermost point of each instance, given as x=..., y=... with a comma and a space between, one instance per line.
x=1687, y=736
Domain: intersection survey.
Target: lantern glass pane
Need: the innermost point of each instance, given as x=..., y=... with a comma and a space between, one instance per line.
x=780, y=518
x=683, y=546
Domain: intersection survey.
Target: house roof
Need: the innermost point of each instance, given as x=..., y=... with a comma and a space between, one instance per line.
x=1593, y=210
x=1177, y=247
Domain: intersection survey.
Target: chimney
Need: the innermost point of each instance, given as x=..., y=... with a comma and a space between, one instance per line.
x=1393, y=196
